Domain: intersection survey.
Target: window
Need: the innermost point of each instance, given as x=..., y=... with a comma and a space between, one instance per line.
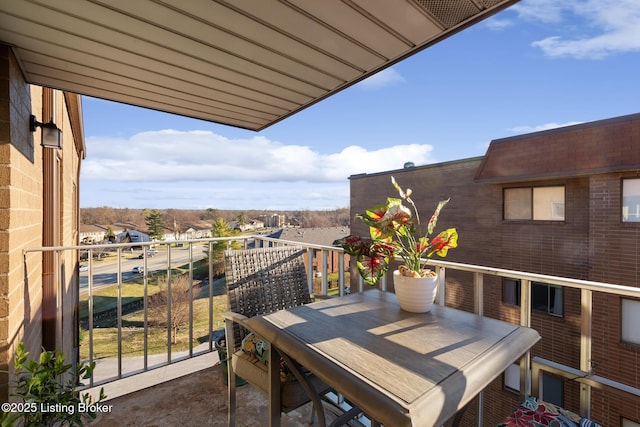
x=631, y=200
x=511, y=291
x=550, y=385
x=551, y=389
x=534, y=203
x=630, y=321
x=512, y=378
x=517, y=203
x=629, y=423
x=544, y=298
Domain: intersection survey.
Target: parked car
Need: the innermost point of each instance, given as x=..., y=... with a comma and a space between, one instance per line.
x=138, y=269
x=83, y=268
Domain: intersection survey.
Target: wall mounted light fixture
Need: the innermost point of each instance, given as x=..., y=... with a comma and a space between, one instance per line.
x=51, y=135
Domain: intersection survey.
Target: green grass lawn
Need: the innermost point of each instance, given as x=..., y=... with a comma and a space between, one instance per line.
x=106, y=298
x=105, y=340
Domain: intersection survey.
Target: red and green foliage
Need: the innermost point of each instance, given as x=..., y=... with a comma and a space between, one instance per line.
x=394, y=232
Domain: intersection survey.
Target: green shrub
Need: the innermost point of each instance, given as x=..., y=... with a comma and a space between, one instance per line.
x=47, y=391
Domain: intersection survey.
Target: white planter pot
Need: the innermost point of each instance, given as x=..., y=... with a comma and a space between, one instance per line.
x=415, y=294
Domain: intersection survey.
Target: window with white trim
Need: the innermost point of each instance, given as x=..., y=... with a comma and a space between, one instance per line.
x=534, y=203
x=629, y=423
x=630, y=310
x=631, y=200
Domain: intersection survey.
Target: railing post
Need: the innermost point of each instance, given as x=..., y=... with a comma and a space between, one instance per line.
x=145, y=303
x=535, y=379
x=310, y=269
x=525, y=320
x=586, y=317
x=169, y=324
x=190, y=299
x=119, y=311
x=478, y=307
x=210, y=277
x=90, y=309
x=325, y=284
x=341, y=274
x=441, y=271
x=478, y=290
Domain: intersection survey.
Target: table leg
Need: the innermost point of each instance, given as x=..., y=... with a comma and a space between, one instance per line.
x=274, y=388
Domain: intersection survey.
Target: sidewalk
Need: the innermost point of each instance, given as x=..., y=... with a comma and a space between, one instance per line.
x=108, y=368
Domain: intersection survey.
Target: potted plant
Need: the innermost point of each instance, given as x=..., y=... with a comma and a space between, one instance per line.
x=396, y=231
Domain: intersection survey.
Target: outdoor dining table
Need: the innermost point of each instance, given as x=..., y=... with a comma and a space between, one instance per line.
x=399, y=368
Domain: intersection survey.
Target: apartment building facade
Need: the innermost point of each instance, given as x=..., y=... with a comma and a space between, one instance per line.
x=562, y=202
x=39, y=206
x=324, y=262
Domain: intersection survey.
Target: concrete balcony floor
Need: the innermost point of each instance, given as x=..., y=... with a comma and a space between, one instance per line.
x=196, y=399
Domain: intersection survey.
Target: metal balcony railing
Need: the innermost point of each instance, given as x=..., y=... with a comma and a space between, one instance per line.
x=108, y=290
x=532, y=368
x=121, y=309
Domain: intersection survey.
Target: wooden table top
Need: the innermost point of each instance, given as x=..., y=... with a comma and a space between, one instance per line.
x=400, y=368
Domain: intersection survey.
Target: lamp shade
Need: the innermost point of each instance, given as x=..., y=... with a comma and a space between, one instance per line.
x=51, y=137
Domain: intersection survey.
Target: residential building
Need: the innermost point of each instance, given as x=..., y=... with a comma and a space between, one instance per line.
x=250, y=225
x=133, y=236
x=558, y=202
x=199, y=230
x=324, y=236
x=274, y=220
x=92, y=233
x=39, y=206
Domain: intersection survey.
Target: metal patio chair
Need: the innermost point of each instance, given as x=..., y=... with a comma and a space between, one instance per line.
x=262, y=281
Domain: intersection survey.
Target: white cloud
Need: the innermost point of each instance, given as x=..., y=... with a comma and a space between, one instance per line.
x=499, y=24
x=170, y=155
x=613, y=25
x=200, y=169
x=548, y=11
x=538, y=128
x=384, y=78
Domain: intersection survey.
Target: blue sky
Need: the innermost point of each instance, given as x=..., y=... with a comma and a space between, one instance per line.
x=537, y=65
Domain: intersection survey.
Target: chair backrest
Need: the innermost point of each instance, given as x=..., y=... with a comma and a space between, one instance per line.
x=265, y=280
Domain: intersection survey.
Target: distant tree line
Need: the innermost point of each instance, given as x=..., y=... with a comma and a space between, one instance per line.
x=106, y=215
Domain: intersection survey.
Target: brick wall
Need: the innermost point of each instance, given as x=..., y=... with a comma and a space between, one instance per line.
x=596, y=147
x=614, y=251
x=20, y=216
x=590, y=244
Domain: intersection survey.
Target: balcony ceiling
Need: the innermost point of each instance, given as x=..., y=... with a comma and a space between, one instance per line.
x=244, y=63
